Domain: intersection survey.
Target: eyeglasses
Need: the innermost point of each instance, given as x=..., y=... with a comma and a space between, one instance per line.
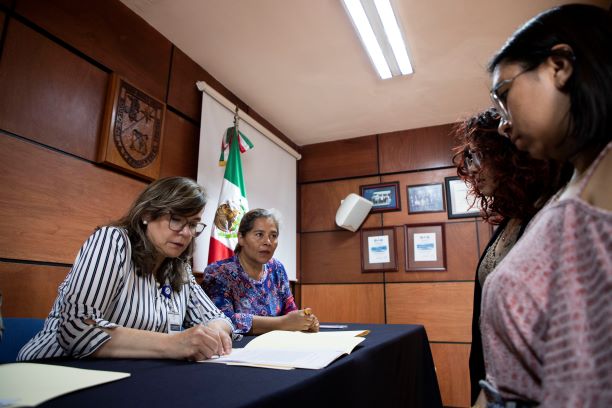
x=499, y=100
x=177, y=223
x=472, y=159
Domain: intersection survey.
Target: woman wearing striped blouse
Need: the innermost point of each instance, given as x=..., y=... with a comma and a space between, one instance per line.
x=130, y=291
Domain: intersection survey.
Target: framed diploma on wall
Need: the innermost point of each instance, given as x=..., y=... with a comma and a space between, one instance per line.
x=425, y=247
x=378, y=249
x=460, y=203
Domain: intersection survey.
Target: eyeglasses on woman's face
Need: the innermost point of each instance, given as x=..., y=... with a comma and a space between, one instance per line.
x=472, y=159
x=177, y=223
x=499, y=96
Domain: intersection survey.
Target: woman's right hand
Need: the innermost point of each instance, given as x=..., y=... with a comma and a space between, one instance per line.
x=196, y=343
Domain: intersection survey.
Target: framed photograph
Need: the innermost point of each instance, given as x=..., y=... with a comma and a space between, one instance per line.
x=425, y=198
x=132, y=130
x=425, y=247
x=378, y=252
x=459, y=201
x=385, y=197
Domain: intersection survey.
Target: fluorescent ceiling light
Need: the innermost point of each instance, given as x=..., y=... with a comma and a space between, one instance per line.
x=377, y=26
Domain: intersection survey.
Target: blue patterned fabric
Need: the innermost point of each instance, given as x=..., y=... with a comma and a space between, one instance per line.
x=240, y=297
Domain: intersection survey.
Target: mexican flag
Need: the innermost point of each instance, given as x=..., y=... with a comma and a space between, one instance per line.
x=232, y=200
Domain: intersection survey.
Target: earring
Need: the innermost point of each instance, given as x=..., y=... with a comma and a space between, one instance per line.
x=145, y=222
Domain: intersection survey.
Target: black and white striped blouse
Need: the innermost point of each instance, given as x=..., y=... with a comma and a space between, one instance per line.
x=102, y=286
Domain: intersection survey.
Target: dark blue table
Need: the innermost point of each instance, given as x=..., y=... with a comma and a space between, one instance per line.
x=393, y=367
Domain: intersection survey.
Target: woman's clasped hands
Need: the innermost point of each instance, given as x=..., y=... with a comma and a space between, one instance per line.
x=302, y=320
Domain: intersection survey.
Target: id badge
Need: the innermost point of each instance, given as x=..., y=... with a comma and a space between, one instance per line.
x=175, y=323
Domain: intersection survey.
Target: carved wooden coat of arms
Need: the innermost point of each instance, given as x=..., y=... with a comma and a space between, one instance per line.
x=133, y=127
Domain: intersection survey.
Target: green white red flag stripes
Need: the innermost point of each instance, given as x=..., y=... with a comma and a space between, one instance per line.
x=232, y=200
x=244, y=144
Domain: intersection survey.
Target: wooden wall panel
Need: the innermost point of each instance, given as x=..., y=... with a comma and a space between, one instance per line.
x=298, y=257
x=182, y=92
x=180, y=149
x=416, y=149
x=451, y=362
x=52, y=202
x=461, y=256
x=445, y=309
x=363, y=303
x=333, y=257
x=462, y=249
x=2, y=20
x=440, y=300
x=110, y=33
x=29, y=290
x=319, y=203
x=343, y=158
x=410, y=179
x=296, y=289
x=49, y=94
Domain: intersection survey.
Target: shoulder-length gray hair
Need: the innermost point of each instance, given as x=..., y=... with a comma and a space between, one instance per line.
x=177, y=195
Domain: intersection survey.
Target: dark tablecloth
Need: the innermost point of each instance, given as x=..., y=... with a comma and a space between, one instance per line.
x=393, y=367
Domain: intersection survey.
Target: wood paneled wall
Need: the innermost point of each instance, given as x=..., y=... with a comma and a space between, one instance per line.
x=55, y=63
x=331, y=280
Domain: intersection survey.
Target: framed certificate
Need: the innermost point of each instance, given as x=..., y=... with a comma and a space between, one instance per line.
x=459, y=202
x=425, y=247
x=378, y=249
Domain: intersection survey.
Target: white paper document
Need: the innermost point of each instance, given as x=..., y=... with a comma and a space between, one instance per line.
x=286, y=349
x=29, y=384
x=425, y=247
x=378, y=249
x=461, y=199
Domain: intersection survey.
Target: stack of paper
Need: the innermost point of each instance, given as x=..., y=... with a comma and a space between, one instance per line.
x=288, y=349
x=29, y=384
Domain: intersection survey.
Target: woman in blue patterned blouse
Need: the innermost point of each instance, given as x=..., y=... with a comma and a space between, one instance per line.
x=251, y=287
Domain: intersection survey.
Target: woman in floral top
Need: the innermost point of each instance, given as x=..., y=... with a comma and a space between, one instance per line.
x=252, y=288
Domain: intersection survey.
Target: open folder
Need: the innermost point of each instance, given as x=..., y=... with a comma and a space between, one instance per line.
x=30, y=384
x=281, y=349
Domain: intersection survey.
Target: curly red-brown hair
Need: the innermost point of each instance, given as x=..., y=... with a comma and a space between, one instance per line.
x=524, y=184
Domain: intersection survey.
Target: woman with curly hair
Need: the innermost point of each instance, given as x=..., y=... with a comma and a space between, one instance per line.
x=510, y=188
x=546, y=317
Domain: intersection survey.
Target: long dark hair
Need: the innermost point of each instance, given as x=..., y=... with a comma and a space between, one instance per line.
x=524, y=184
x=176, y=195
x=588, y=31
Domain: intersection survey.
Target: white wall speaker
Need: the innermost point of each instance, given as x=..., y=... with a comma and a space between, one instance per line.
x=353, y=210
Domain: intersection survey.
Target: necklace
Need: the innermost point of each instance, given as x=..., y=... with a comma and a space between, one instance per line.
x=496, y=252
x=507, y=239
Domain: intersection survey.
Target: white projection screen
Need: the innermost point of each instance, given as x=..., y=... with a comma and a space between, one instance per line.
x=269, y=175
